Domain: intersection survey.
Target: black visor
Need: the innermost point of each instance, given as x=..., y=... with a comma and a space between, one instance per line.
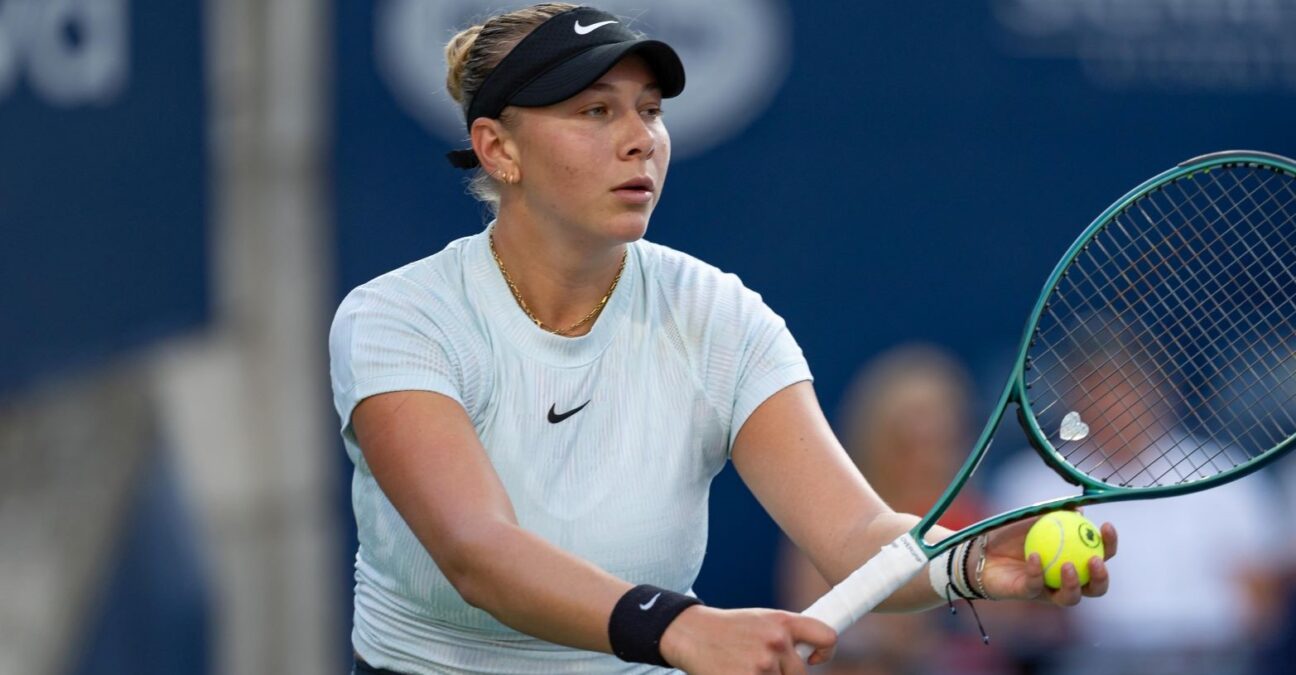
x=558, y=60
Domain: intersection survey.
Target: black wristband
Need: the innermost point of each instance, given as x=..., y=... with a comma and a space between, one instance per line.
x=639, y=620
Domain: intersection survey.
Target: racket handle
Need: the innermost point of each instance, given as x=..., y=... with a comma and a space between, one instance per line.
x=867, y=587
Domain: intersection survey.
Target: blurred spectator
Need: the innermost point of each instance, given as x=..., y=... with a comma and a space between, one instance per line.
x=905, y=424
x=1183, y=601
x=1193, y=572
x=1280, y=608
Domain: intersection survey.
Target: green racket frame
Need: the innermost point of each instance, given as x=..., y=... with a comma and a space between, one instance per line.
x=1093, y=491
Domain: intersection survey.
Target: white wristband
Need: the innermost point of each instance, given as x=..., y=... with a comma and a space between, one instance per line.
x=947, y=579
x=938, y=573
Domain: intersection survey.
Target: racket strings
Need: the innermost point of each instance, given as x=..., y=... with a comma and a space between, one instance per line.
x=1107, y=325
x=1269, y=274
x=1193, y=387
x=1087, y=303
x=1186, y=296
x=1203, y=423
x=1265, y=296
x=1261, y=360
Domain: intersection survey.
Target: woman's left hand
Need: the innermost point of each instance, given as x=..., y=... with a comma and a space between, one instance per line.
x=1010, y=576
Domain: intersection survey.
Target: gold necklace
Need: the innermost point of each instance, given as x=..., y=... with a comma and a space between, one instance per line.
x=517, y=295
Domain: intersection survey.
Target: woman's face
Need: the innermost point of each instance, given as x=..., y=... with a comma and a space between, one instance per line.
x=597, y=161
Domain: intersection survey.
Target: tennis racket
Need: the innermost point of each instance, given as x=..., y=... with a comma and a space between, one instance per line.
x=1158, y=359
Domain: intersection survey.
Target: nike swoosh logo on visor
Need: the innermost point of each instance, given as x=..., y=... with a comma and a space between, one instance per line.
x=586, y=30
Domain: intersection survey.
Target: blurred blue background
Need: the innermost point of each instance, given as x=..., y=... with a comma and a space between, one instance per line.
x=207, y=181
x=103, y=181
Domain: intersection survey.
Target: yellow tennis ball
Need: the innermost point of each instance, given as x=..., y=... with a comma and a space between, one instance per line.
x=1061, y=537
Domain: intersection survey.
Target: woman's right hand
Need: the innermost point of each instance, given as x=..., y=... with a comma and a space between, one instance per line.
x=705, y=641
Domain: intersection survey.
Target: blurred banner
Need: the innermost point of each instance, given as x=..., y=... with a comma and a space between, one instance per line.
x=102, y=180
x=103, y=212
x=879, y=172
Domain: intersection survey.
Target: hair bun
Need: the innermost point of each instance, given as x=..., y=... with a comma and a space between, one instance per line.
x=456, y=53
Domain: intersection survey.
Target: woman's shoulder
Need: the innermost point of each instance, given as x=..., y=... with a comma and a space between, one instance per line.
x=411, y=328
x=436, y=280
x=676, y=271
x=701, y=298
x=428, y=296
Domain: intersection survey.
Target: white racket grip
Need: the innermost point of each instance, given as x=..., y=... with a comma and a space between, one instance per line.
x=867, y=587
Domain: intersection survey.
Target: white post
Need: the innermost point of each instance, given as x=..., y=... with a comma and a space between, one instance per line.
x=246, y=404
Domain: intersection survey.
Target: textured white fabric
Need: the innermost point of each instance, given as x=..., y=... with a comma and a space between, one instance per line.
x=679, y=358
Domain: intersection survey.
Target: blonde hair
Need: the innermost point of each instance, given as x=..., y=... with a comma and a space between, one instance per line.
x=474, y=52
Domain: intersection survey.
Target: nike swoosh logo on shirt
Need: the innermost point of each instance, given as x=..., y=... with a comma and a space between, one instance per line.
x=586, y=30
x=648, y=605
x=556, y=417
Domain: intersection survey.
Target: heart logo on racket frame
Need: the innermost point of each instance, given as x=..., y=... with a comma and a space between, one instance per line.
x=1072, y=428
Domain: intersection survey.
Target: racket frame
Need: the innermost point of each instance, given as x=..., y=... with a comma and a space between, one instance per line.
x=1093, y=491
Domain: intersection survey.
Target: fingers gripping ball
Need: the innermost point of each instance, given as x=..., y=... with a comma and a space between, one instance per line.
x=1062, y=537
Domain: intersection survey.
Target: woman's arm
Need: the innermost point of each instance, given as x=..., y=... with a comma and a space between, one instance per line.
x=425, y=454
x=788, y=456
x=426, y=457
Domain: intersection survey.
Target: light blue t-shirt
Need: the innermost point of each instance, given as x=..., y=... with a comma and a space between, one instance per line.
x=606, y=443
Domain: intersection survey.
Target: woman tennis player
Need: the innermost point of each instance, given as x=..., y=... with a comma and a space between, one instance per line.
x=536, y=412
